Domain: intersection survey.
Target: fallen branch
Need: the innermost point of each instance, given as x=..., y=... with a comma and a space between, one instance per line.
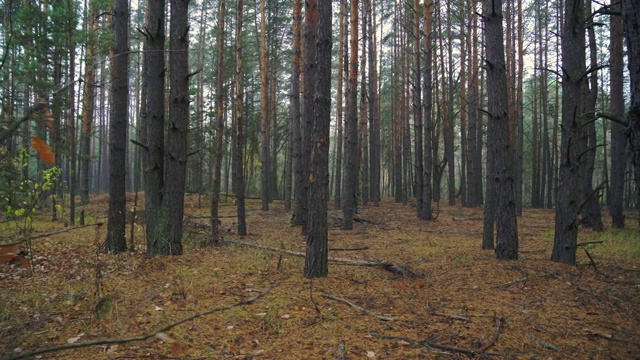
x=54, y=233
x=349, y=249
x=135, y=338
x=396, y=269
x=495, y=335
x=611, y=337
x=466, y=218
x=545, y=344
x=522, y=279
x=366, y=311
x=450, y=316
x=428, y=343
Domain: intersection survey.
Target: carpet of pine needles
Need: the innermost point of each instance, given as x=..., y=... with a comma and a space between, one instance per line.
x=454, y=297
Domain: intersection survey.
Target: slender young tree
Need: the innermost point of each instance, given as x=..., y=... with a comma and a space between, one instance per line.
x=417, y=110
x=351, y=126
x=238, y=167
x=116, y=241
x=217, y=158
x=265, y=125
x=499, y=145
x=294, y=110
x=573, y=80
x=616, y=108
x=88, y=102
x=316, y=260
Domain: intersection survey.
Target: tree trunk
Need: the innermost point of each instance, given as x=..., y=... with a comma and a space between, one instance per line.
x=427, y=194
x=374, y=119
x=316, y=259
x=176, y=155
x=351, y=127
x=631, y=16
x=153, y=160
x=417, y=111
x=118, y=129
x=265, y=125
x=499, y=145
x=217, y=157
x=343, y=60
x=238, y=176
x=88, y=104
x=295, y=110
x=573, y=64
x=618, y=138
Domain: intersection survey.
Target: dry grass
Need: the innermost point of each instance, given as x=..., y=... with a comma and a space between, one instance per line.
x=549, y=310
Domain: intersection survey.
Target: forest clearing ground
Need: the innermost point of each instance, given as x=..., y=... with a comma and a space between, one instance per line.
x=462, y=297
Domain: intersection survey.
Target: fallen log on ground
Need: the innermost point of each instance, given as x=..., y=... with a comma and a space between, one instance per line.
x=396, y=269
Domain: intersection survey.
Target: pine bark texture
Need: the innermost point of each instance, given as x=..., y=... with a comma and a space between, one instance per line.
x=499, y=146
x=153, y=159
x=116, y=241
x=238, y=166
x=316, y=259
x=631, y=18
x=351, y=127
x=573, y=64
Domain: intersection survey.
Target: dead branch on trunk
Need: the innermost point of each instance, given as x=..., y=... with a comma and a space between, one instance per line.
x=366, y=311
x=156, y=333
x=430, y=344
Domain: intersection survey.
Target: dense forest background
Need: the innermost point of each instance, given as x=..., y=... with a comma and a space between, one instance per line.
x=218, y=97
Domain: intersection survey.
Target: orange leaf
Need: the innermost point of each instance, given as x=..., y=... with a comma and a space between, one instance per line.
x=176, y=349
x=44, y=150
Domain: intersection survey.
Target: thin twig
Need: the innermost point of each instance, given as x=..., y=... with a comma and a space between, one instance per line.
x=135, y=338
x=451, y=316
x=366, y=311
x=495, y=335
x=611, y=337
x=428, y=343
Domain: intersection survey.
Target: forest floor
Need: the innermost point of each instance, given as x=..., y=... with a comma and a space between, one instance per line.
x=458, y=301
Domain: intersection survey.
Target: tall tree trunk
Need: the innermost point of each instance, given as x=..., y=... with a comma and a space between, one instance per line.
x=417, y=111
x=265, y=125
x=302, y=199
x=616, y=108
x=238, y=176
x=316, y=259
x=449, y=122
x=73, y=151
x=220, y=95
x=573, y=64
x=351, y=127
x=427, y=194
x=374, y=118
x=294, y=121
x=499, y=145
x=88, y=103
x=153, y=160
x=343, y=60
x=631, y=16
x=363, y=143
x=590, y=212
x=118, y=129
